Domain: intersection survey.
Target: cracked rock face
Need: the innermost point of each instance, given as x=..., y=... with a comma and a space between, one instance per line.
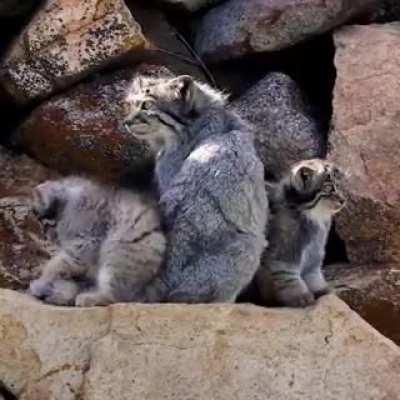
x=82, y=130
x=284, y=131
x=23, y=245
x=366, y=141
x=65, y=40
x=170, y=352
x=239, y=27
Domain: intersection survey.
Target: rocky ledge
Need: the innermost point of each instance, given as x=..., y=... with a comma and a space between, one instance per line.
x=128, y=351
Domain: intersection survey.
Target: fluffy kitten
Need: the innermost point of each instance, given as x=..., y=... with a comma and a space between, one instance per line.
x=302, y=206
x=211, y=187
x=110, y=242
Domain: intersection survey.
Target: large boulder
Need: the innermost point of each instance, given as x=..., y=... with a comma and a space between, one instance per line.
x=365, y=140
x=23, y=244
x=284, y=130
x=205, y=351
x=65, y=41
x=240, y=27
x=82, y=130
x=59, y=47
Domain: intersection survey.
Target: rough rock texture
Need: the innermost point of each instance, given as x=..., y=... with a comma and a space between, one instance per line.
x=373, y=292
x=365, y=140
x=82, y=130
x=285, y=132
x=23, y=246
x=203, y=352
x=239, y=27
x=65, y=41
x=191, y=5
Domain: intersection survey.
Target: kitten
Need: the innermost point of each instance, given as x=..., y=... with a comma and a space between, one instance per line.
x=110, y=242
x=211, y=187
x=302, y=206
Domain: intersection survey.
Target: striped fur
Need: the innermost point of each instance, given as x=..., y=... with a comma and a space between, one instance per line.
x=110, y=242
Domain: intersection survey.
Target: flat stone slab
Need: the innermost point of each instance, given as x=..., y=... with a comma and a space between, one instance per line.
x=131, y=351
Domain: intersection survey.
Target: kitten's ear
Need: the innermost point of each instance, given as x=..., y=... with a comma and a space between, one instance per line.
x=185, y=88
x=304, y=177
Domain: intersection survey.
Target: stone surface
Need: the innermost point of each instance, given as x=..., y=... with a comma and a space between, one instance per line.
x=191, y=5
x=65, y=40
x=373, y=292
x=23, y=246
x=239, y=27
x=201, y=352
x=82, y=130
x=365, y=140
x=285, y=132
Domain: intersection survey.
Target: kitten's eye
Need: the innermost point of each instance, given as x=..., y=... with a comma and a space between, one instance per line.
x=146, y=105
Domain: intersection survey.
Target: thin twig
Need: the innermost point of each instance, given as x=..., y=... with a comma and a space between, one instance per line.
x=176, y=55
x=198, y=59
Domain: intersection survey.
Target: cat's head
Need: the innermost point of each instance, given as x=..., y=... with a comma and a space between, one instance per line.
x=158, y=110
x=316, y=184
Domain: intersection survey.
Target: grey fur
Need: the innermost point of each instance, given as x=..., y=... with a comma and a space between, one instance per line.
x=110, y=242
x=211, y=186
x=302, y=206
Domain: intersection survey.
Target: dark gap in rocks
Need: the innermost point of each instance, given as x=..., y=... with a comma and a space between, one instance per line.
x=335, y=249
x=5, y=393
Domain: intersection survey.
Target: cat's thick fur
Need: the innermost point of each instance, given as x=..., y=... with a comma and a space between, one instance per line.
x=110, y=240
x=211, y=187
x=302, y=206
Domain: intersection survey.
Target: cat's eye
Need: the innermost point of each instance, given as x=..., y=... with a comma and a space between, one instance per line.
x=146, y=105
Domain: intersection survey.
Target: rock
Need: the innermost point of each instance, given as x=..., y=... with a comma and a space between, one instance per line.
x=239, y=27
x=82, y=130
x=59, y=47
x=365, y=140
x=180, y=351
x=285, y=132
x=23, y=246
x=191, y=5
x=373, y=292
x=13, y=8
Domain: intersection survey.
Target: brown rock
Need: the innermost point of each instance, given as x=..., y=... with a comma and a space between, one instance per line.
x=239, y=27
x=65, y=41
x=82, y=130
x=284, y=131
x=373, y=292
x=23, y=247
x=59, y=47
x=365, y=140
x=174, y=352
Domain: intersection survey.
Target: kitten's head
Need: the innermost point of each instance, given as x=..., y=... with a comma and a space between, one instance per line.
x=158, y=110
x=315, y=183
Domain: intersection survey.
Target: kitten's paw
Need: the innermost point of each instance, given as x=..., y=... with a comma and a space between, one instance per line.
x=323, y=292
x=301, y=300
x=40, y=288
x=91, y=300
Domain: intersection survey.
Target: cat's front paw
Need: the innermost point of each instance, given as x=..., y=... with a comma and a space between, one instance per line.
x=323, y=292
x=91, y=300
x=299, y=299
x=59, y=292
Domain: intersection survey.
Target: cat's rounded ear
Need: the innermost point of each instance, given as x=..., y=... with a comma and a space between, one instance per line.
x=185, y=87
x=303, y=177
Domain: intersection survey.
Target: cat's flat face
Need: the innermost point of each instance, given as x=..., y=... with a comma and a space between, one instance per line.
x=317, y=183
x=158, y=110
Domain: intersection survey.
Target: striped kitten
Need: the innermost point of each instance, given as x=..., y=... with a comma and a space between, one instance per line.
x=110, y=242
x=211, y=186
x=302, y=206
